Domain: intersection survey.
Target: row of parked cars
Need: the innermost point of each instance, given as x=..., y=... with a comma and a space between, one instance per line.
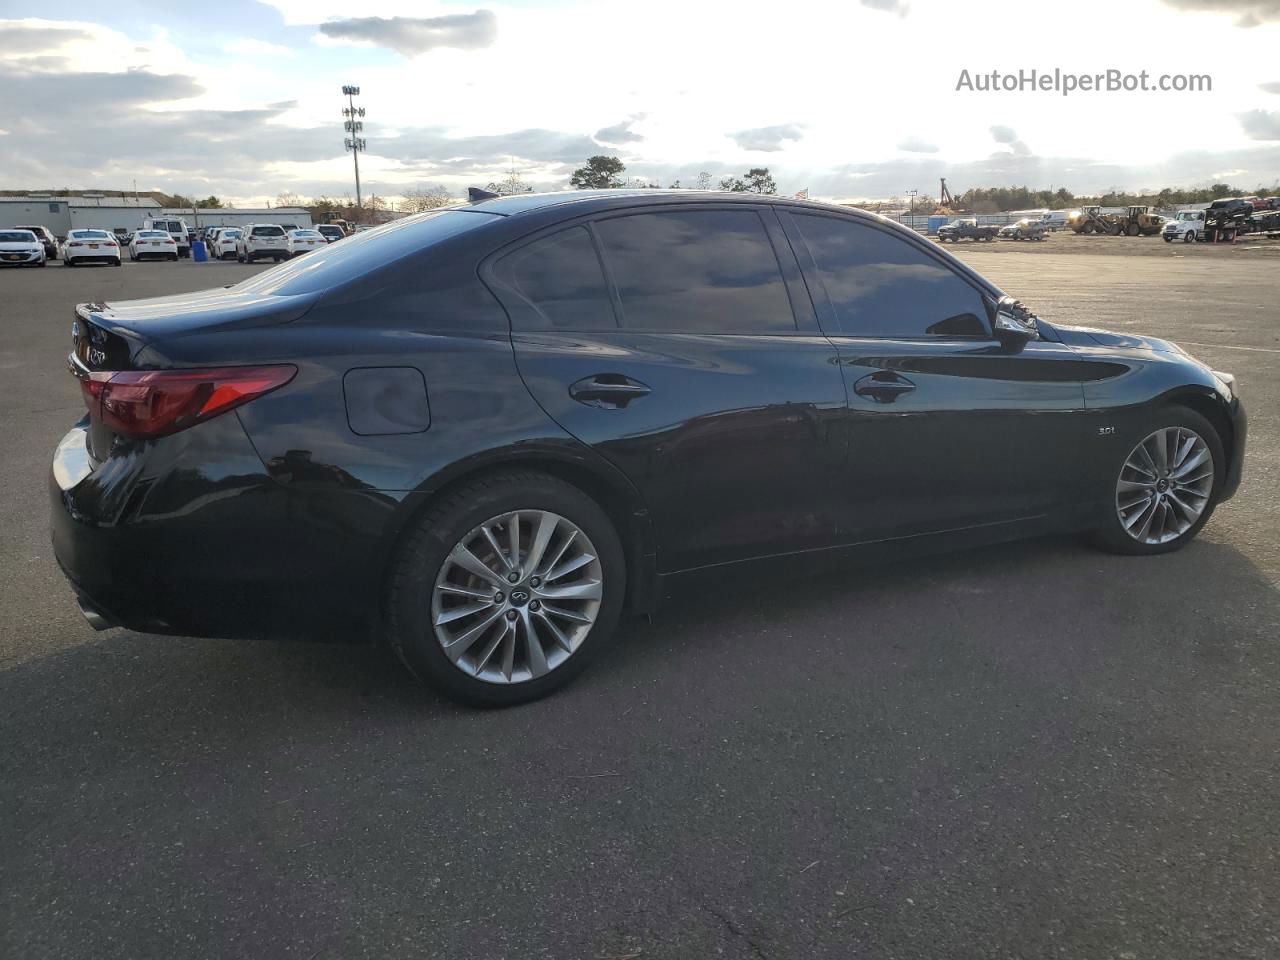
x=161, y=240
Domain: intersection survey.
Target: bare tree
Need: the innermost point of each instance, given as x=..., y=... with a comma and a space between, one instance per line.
x=287, y=198
x=511, y=184
x=421, y=199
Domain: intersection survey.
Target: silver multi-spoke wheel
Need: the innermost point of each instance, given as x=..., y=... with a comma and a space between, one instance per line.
x=517, y=596
x=1165, y=485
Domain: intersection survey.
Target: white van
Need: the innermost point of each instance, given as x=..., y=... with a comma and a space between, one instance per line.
x=176, y=229
x=1055, y=219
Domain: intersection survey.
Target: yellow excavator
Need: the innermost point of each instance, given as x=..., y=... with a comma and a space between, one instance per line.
x=1135, y=221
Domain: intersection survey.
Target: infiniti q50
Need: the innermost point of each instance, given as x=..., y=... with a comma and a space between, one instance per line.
x=482, y=434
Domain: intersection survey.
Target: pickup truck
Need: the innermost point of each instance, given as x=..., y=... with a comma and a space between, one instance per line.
x=1187, y=226
x=959, y=230
x=1229, y=218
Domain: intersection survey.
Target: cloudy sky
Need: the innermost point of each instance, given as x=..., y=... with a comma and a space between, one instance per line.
x=847, y=98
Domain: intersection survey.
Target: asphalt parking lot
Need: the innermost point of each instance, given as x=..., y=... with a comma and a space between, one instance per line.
x=1034, y=750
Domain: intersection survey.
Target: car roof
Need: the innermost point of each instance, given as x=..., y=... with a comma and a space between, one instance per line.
x=585, y=200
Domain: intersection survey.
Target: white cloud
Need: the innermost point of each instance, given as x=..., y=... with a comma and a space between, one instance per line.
x=767, y=139
x=411, y=36
x=251, y=47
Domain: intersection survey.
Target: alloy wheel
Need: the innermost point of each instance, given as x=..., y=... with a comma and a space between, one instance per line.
x=1164, y=485
x=517, y=596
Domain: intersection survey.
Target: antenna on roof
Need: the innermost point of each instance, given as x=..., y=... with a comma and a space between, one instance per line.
x=475, y=195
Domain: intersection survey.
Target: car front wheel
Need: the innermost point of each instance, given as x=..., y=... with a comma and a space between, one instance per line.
x=1164, y=489
x=505, y=590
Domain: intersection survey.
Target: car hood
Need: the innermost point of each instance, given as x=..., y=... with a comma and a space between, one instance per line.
x=1091, y=337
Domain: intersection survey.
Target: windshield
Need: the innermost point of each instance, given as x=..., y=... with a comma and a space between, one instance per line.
x=17, y=236
x=268, y=232
x=90, y=234
x=337, y=263
x=152, y=233
x=306, y=234
x=1189, y=215
x=228, y=234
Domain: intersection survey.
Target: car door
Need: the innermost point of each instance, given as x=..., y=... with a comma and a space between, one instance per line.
x=947, y=428
x=666, y=339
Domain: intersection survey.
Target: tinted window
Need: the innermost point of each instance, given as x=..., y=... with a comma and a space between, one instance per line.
x=357, y=256
x=267, y=232
x=559, y=280
x=696, y=271
x=882, y=286
x=90, y=234
x=17, y=236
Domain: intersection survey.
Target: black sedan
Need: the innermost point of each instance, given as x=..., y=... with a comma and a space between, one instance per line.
x=481, y=434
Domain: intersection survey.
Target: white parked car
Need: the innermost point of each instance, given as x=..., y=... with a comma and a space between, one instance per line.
x=262, y=240
x=176, y=229
x=304, y=241
x=153, y=243
x=90, y=246
x=222, y=244
x=1187, y=225
x=21, y=248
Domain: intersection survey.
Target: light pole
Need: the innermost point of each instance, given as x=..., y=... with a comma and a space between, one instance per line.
x=354, y=142
x=912, y=195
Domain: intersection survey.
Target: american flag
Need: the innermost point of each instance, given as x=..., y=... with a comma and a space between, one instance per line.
x=802, y=194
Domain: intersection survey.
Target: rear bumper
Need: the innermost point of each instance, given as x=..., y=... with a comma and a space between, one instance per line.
x=151, y=543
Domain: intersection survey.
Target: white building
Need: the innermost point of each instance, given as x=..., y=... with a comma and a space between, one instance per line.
x=238, y=216
x=125, y=214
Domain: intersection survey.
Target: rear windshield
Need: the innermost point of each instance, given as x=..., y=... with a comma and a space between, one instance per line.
x=338, y=263
x=268, y=232
x=329, y=229
x=228, y=233
x=305, y=233
x=152, y=233
x=16, y=236
x=91, y=234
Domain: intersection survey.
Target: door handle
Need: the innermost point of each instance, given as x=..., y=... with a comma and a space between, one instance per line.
x=883, y=386
x=610, y=391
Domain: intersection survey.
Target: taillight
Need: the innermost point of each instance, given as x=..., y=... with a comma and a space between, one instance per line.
x=154, y=403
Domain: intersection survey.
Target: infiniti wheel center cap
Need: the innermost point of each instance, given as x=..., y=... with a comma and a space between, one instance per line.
x=1162, y=485
x=519, y=597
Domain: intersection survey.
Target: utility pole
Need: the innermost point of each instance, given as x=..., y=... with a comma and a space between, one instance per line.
x=354, y=142
x=912, y=195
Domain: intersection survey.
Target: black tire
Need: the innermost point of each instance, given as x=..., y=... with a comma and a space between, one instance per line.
x=42, y=263
x=68, y=262
x=1189, y=237
x=1168, y=238
x=1110, y=534
x=119, y=262
x=173, y=257
x=433, y=535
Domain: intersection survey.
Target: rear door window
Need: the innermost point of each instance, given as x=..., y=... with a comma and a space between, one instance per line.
x=696, y=271
x=557, y=283
x=880, y=285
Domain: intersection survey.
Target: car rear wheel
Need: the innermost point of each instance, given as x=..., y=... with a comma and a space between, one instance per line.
x=505, y=590
x=1164, y=490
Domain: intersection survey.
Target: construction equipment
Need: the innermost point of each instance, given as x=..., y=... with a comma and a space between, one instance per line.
x=1091, y=220
x=1139, y=221
x=947, y=204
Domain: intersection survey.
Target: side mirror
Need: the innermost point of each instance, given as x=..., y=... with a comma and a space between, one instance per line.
x=1015, y=325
